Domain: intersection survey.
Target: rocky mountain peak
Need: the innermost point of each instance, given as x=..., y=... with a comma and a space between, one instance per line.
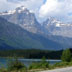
x=17, y=10
x=24, y=18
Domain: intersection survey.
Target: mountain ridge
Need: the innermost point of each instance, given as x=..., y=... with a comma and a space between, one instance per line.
x=57, y=28
x=24, y=18
x=18, y=38
x=27, y=20
x=51, y=31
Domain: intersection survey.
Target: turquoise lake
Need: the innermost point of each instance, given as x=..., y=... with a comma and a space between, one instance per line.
x=26, y=62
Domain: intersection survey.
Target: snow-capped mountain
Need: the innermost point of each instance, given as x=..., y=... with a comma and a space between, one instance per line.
x=55, y=27
x=27, y=20
x=13, y=36
x=23, y=17
x=53, y=30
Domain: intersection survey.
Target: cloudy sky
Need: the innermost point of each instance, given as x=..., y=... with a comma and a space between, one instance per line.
x=60, y=9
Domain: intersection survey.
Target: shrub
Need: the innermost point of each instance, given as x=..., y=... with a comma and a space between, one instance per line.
x=66, y=56
x=42, y=65
x=61, y=64
x=70, y=63
x=15, y=64
x=3, y=70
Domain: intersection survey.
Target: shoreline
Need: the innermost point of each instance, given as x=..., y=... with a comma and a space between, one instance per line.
x=33, y=58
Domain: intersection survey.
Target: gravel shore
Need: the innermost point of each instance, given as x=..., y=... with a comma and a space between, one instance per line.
x=67, y=69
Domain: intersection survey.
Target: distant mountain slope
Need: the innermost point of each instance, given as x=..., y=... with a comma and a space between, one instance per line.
x=18, y=38
x=4, y=46
x=65, y=41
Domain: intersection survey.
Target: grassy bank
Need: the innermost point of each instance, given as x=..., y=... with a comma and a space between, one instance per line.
x=17, y=66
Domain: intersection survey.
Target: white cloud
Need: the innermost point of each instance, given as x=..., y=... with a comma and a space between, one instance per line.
x=4, y=5
x=30, y=4
x=62, y=9
x=48, y=7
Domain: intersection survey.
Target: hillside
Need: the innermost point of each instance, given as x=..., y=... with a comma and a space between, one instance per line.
x=16, y=37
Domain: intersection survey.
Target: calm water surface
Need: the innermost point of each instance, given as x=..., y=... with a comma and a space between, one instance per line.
x=27, y=62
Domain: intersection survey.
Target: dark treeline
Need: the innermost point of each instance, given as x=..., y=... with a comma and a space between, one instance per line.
x=31, y=53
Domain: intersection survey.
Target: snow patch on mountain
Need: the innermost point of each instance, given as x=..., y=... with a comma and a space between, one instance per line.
x=19, y=10
x=56, y=27
x=8, y=13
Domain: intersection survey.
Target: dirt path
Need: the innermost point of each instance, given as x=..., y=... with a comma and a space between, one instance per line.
x=67, y=69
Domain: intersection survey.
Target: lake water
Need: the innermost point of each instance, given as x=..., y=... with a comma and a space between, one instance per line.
x=27, y=62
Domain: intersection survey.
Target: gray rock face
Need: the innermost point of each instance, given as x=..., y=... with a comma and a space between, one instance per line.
x=24, y=18
x=55, y=27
